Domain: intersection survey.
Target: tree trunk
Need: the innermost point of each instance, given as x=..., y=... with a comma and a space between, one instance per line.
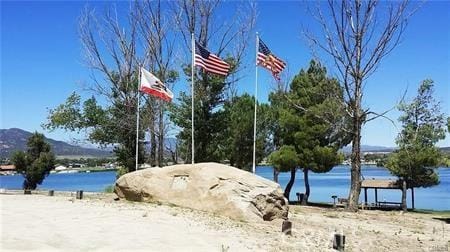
x=173, y=154
x=404, y=190
x=289, y=185
x=307, y=188
x=355, y=184
x=28, y=185
x=176, y=152
x=275, y=175
x=152, y=128
x=152, y=147
x=357, y=122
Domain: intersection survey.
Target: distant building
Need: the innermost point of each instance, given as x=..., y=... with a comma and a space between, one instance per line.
x=109, y=166
x=76, y=165
x=7, y=169
x=60, y=168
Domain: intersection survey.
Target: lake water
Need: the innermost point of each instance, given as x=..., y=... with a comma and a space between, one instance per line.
x=335, y=182
x=89, y=182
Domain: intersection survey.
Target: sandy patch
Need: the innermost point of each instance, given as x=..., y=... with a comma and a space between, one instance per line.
x=60, y=223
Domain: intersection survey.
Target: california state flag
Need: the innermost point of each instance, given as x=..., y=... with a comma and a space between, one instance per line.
x=153, y=86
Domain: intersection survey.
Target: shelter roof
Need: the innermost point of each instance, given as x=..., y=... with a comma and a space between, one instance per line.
x=380, y=184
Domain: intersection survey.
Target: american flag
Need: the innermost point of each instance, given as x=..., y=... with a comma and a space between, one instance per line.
x=269, y=61
x=210, y=62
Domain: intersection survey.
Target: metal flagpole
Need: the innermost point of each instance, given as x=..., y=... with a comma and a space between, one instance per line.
x=192, y=97
x=256, y=99
x=137, y=121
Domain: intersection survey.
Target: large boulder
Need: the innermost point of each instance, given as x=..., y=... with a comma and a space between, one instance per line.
x=211, y=187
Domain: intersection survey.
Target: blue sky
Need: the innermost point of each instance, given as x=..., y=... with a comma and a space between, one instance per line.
x=41, y=60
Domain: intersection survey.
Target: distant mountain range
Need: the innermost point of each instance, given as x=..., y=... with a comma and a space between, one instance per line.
x=16, y=139
x=445, y=149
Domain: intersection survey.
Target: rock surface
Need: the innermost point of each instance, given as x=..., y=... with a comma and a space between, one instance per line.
x=211, y=187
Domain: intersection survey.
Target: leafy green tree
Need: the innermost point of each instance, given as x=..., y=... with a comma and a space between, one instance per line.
x=34, y=164
x=208, y=119
x=423, y=126
x=448, y=124
x=114, y=124
x=285, y=160
x=239, y=131
x=313, y=121
x=277, y=104
x=316, y=121
x=445, y=161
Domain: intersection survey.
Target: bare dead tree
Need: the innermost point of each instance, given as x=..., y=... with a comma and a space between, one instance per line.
x=358, y=35
x=110, y=52
x=155, y=24
x=115, y=48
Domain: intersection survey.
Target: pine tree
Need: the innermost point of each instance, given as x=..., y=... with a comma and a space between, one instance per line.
x=34, y=164
x=313, y=121
x=423, y=126
x=239, y=121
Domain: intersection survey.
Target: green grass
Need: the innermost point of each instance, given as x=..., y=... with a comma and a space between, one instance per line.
x=75, y=157
x=445, y=213
x=95, y=169
x=109, y=189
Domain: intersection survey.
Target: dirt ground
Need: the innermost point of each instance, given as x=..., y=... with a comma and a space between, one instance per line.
x=98, y=223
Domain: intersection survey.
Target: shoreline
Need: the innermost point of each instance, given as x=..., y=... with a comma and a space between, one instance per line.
x=94, y=194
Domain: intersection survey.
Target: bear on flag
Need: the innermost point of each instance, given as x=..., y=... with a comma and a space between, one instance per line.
x=153, y=86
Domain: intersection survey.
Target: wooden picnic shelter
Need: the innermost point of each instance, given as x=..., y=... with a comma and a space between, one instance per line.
x=377, y=184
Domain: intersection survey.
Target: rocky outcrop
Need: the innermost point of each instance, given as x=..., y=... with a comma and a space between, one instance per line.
x=211, y=187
